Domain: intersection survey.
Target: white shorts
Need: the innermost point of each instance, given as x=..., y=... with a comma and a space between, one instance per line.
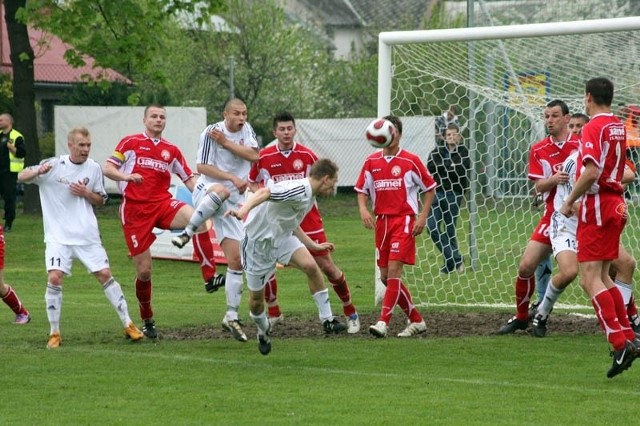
x=563, y=233
x=225, y=226
x=259, y=258
x=60, y=257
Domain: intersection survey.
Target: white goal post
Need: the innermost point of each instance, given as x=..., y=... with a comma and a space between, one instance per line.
x=500, y=78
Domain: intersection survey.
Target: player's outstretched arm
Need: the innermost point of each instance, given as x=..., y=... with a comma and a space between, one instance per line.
x=255, y=199
x=310, y=244
x=31, y=172
x=112, y=171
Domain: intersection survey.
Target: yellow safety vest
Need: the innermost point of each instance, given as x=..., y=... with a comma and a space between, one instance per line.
x=15, y=164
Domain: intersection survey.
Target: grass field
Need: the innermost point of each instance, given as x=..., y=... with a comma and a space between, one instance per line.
x=97, y=377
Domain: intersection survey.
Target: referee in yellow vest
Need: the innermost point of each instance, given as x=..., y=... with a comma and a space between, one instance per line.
x=12, y=152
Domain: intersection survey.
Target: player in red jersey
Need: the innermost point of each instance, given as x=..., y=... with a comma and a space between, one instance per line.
x=8, y=294
x=545, y=169
x=288, y=160
x=601, y=218
x=392, y=178
x=142, y=165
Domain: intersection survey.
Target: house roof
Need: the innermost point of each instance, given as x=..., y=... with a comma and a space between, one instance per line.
x=334, y=13
x=49, y=63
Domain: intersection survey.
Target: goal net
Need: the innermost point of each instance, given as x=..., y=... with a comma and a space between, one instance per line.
x=500, y=78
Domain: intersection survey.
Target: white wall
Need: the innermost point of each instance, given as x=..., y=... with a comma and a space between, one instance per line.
x=342, y=140
x=108, y=125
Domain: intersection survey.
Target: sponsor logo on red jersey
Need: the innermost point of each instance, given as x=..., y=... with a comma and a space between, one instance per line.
x=150, y=163
x=288, y=176
x=388, y=184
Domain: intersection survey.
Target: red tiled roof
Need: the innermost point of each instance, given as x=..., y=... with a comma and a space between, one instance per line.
x=49, y=64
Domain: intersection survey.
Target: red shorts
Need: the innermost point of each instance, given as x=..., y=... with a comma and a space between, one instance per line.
x=139, y=219
x=541, y=233
x=394, y=240
x=318, y=237
x=601, y=219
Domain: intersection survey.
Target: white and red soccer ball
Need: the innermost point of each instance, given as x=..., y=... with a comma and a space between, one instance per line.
x=380, y=133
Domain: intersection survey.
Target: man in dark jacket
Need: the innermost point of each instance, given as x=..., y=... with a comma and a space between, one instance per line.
x=449, y=164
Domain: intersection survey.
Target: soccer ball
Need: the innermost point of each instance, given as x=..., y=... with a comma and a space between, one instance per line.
x=380, y=133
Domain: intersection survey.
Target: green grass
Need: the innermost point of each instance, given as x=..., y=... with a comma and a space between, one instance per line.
x=97, y=377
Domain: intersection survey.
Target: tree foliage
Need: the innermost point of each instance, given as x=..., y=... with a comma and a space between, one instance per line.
x=125, y=35
x=260, y=58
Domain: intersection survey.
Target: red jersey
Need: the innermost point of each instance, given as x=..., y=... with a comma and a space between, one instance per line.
x=295, y=163
x=546, y=158
x=604, y=142
x=155, y=160
x=393, y=182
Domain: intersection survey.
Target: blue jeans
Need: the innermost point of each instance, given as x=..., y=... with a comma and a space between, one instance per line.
x=543, y=275
x=446, y=209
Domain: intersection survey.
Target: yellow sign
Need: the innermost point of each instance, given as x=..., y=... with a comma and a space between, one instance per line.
x=528, y=87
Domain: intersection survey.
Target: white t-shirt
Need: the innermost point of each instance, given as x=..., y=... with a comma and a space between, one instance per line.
x=288, y=204
x=564, y=189
x=69, y=219
x=211, y=153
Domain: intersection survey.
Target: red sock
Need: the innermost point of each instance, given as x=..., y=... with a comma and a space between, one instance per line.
x=406, y=303
x=390, y=300
x=271, y=297
x=524, y=290
x=606, y=313
x=632, y=310
x=342, y=290
x=203, y=251
x=12, y=301
x=143, y=293
x=621, y=312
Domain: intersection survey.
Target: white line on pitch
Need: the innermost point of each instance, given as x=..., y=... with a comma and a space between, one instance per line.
x=219, y=361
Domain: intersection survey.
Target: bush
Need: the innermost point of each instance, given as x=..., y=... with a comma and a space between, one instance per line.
x=47, y=145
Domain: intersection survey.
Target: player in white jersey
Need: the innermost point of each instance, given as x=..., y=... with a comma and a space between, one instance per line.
x=225, y=152
x=564, y=246
x=273, y=234
x=70, y=185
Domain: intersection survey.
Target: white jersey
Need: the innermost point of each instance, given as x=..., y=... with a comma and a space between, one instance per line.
x=563, y=190
x=277, y=218
x=211, y=153
x=563, y=229
x=69, y=219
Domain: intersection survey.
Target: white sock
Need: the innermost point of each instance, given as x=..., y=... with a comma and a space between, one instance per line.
x=324, y=305
x=550, y=297
x=53, y=299
x=626, y=290
x=207, y=207
x=113, y=291
x=233, y=292
x=261, y=322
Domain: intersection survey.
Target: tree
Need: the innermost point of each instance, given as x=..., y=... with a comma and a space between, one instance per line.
x=266, y=61
x=125, y=35
x=23, y=92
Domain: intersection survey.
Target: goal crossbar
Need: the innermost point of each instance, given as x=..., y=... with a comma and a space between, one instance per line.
x=387, y=39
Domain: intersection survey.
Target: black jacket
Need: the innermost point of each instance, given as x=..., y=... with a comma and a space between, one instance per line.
x=450, y=169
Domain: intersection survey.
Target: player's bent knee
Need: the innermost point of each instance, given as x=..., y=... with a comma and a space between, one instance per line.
x=220, y=190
